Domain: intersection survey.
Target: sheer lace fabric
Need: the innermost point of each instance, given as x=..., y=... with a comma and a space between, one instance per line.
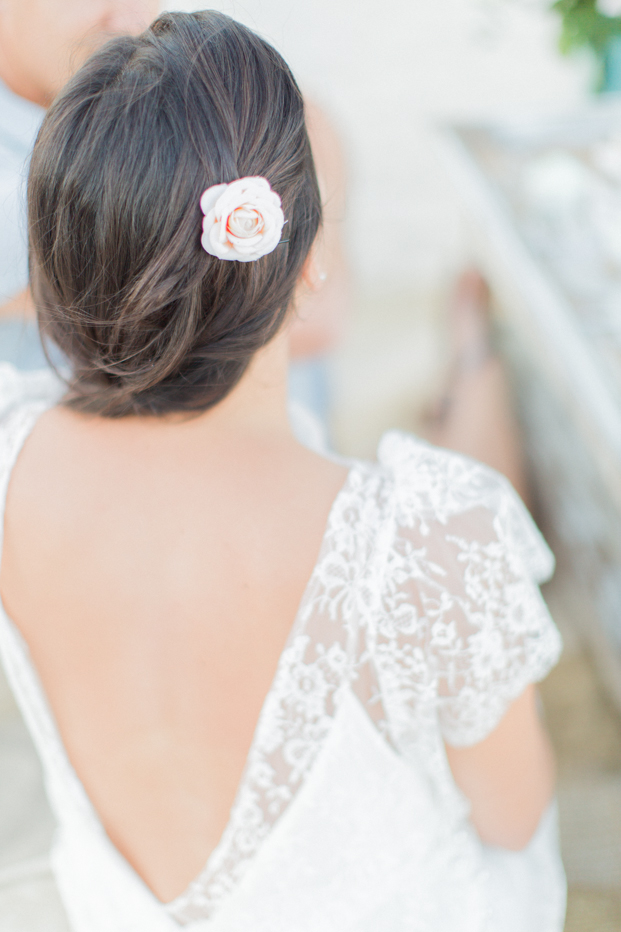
x=421, y=623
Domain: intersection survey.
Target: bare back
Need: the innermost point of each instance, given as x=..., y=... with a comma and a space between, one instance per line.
x=155, y=569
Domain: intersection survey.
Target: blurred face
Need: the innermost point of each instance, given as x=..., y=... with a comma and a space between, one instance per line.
x=42, y=42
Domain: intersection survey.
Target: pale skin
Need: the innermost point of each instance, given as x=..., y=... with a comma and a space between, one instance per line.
x=477, y=417
x=190, y=604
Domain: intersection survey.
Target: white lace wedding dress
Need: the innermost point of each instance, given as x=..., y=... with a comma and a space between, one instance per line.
x=421, y=622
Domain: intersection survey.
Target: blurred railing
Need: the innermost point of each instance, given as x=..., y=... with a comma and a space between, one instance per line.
x=543, y=202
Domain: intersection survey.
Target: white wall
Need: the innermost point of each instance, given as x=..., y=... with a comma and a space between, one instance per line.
x=387, y=70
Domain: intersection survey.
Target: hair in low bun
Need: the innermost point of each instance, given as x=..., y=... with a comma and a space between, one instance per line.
x=149, y=321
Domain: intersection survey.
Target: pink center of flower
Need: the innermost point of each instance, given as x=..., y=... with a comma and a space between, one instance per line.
x=244, y=223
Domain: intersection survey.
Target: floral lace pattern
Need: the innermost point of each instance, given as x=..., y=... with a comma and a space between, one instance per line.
x=423, y=604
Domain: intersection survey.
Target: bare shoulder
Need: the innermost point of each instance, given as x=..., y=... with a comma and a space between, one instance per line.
x=44, y=469
x=43, y=505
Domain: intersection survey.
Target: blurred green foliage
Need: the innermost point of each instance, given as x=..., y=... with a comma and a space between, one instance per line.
x=584, y=25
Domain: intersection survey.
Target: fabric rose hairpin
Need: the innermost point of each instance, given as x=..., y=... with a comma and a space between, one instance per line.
x=243, y=220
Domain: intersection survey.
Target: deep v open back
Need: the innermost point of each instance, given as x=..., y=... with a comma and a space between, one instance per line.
x=421, y=622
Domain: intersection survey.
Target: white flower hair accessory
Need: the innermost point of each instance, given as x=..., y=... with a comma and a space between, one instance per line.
x=243, y=220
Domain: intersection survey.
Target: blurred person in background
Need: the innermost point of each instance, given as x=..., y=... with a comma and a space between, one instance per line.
x=42, y=42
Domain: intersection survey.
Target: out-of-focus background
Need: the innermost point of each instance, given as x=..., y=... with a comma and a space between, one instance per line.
x=387, y=74
x=469, y=138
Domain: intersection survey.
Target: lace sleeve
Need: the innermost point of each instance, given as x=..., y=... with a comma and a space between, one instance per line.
x=469, y=560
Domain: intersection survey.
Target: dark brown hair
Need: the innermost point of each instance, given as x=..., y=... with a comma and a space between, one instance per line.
x=149, y=322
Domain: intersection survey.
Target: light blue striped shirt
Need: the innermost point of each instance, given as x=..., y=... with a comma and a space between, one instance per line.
x=19, y=124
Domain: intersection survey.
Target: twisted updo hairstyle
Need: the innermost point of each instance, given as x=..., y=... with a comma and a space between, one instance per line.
x=148, y=321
